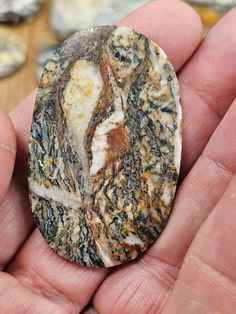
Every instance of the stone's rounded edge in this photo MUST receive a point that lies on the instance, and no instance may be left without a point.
(13, 53)
(54, 72)
(176, 92)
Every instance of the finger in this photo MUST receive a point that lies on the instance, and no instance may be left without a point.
(37, 265)
(173, 25)
(21, 118)
(16, 222)
(7, 160)
(7, 153)
(49, 264)
(206, 283)
(16, 298)
(16, 219)
(200, 192)
(157, 271)
(140, 287)
(208, 85)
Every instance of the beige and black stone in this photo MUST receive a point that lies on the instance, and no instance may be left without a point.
(105, 146)
(16, 11)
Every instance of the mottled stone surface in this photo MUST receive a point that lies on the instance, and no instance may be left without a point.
(12, 52)
(105, 146)
(15, 11)
(70, 16)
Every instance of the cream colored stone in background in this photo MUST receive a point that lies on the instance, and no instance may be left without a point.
(12, 52)
(14, 11)
(70, 16)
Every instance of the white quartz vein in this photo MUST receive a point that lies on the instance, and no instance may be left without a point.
(99, 142)
(81, 96)
(56, 194)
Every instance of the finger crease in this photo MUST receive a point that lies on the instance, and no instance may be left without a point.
(169, 273)
(219, 277)
(8, 148)
(37, 283)
(202, 100)
(219, 165)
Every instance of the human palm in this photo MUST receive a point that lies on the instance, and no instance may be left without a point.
(191, 268)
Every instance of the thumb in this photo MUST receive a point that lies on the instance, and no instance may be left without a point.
(7, 152)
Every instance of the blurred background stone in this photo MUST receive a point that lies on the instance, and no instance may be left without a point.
(12, 52)
(15, 11)
(211, 11)
(68, 17)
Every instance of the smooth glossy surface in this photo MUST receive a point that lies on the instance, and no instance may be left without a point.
(105, 146)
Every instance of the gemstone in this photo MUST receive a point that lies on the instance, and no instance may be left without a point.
(105, 146)
(15, 11)
(67, 17)
(12, 52)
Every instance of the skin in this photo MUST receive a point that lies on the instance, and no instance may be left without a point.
(191, 268)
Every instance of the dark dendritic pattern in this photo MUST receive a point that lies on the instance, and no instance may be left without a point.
(105, 146)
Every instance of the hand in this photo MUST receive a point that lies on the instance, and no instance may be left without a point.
(191, 268)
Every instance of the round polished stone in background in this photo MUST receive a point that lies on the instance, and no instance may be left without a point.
(105, 146)
(15, 11)
(12, 52)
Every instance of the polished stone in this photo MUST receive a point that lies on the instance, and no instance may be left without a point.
(70, 16)
(12, 52)
(15, 11)
(105, 146)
